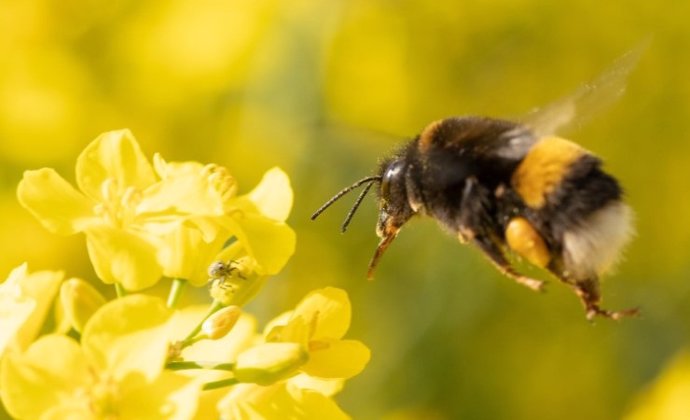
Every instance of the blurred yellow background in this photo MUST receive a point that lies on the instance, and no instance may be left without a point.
(326, 88)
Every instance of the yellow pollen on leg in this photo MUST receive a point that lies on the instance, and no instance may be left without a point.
(526, 241)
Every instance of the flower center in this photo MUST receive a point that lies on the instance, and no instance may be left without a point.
(119, 204)
(221, 181)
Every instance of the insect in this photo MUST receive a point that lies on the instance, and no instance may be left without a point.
(511, 187)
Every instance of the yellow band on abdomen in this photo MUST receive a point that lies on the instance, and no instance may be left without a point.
(543, 168)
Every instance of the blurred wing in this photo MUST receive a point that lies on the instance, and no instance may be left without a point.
(589, 100)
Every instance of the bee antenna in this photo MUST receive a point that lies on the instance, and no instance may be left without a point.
(327, 204)
(355, 206)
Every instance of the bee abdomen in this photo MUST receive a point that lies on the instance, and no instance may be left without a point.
(576, 206)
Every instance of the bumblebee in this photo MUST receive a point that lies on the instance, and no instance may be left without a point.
(515, 188)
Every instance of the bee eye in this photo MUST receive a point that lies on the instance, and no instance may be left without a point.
(390, 176)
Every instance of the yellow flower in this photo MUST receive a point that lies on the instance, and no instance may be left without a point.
(112, 174)
(24, 303)
(255, 222)
(116, 372)
(319, 322)
(172, 219)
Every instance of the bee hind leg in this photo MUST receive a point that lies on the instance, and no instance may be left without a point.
(495, 255)
(588, 292)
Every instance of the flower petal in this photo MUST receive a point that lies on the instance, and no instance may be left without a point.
(273, 195)
(79, 300)
(113, 155)
(280, 401)
(337, 359)
(271, 243)
(188, 188)
(57, 205)
(125, 257)
(327, 387)
(171, 396)
(267, 363)
(330, 307)
(47, 375)
(24, 292)
(129, 334)
(186, 254)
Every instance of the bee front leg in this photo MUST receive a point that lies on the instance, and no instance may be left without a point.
(495, 255)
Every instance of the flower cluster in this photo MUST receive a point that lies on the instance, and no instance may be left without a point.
(139, 356)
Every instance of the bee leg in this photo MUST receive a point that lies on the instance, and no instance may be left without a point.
(588, 291)
(495, 255)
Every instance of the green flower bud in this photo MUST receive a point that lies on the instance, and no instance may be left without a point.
(79, 301)
(268, 363)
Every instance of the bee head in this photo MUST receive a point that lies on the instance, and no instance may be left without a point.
(394, 209)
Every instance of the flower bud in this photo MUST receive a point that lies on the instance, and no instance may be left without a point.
(220, 323)
(79, 301)
(268, 363)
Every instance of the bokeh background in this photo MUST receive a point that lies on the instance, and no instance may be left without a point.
(326, 88)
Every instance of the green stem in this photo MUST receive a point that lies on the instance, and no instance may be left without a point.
(176, 289)
(199, 365)
(215, 306)
(120, 290)
(220, 384)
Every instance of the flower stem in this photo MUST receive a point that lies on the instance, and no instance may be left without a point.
(215, 306)
(176, 289)
(220, 384)
(199, 365)
(120, 290)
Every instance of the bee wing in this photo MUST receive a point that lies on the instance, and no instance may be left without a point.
(589, 100)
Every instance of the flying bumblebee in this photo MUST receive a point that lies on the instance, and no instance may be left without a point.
(513, 188)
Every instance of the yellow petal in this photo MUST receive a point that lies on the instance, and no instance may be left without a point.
(39, 289)
(171, 396)
(298, 330)
(69, 412)
(15, 307)
(330, 309)
(54, 202)
(48, 375)
(278, 402)
(275, 325)
(337, 359)
(129, 334)
(121, 256)
(114, 155)
(271, 243)
(273, 195)
(186, 254)
(188, 188)
(267, 363)
(327, 387)
(79, 301)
